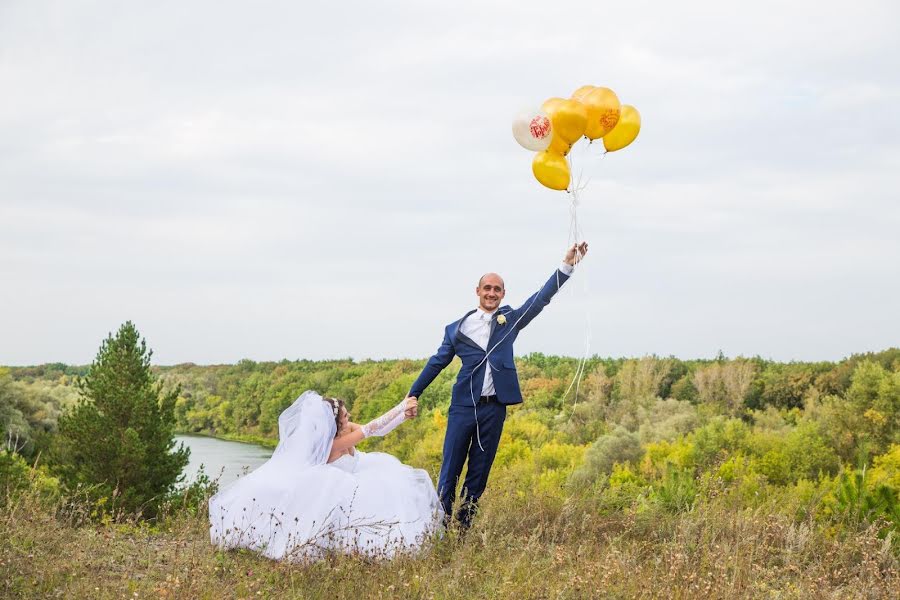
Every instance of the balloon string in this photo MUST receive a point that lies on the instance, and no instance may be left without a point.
(575, 235)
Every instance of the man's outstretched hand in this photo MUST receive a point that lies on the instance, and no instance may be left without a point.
(412, 407)
(576, 253)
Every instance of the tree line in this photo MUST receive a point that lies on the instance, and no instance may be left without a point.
(818, 439)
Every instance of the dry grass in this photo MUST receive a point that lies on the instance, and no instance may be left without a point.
(519, 549)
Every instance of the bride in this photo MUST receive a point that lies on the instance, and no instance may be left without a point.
(319, 494)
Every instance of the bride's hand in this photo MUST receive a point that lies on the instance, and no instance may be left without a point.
(390, 420)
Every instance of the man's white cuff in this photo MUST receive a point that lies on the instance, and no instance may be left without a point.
(566, 268)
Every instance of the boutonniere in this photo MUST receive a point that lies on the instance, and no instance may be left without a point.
(501, 319)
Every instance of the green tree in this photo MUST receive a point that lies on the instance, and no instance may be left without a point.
(874, 393)
(867, 420)
(13, 425)
(118, 439)
(725, 384)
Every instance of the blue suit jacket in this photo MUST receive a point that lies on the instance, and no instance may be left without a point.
(500, 350)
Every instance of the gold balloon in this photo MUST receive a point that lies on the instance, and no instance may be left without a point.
(581, 93)
(551, 169)
(567, 117)
(625, 131)
(551, 104)
(603, 112)
(558, 146)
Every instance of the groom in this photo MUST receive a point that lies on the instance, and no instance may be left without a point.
(487, 382)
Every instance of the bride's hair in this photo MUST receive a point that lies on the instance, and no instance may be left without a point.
(336, 406)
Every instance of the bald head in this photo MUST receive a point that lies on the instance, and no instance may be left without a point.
(490, 292)
(493, 276)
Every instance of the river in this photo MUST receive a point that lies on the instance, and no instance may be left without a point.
(231, 459)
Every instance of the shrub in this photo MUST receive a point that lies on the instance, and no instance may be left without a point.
(886, 468)
(717, 440)
(512, 451)
(17, 476)
(562, 457)
(660, 457)
(801, 453)
(676, 492)
(618, 446)
(684, 389)
(856, 500)
(584, 421)
(13, 474)
(193, 497)
(622, 490)
(667, 420)
(526, 426)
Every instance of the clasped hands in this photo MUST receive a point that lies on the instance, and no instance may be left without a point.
(411, 408)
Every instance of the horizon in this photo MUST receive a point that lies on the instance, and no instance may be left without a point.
(524, 356)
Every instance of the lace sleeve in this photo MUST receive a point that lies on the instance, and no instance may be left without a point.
(386, 422)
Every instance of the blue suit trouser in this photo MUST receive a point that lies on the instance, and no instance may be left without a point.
(460, 444)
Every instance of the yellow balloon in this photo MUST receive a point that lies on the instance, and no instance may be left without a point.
(551, 104)
(603, 112)
(567, 117)
(625, 131)
(551, 169)
(581, 93)
(558, 146)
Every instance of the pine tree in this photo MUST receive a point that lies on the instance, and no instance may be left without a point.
(119, 439)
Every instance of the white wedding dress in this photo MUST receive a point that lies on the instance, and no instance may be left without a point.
(297, 507)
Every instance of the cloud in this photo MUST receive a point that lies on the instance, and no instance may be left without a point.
(308, 181)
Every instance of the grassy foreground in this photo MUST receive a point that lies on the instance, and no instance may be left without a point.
(520, 548)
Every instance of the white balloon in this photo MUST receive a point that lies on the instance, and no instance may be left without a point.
(532, 130)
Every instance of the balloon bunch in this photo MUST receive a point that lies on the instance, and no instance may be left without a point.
(551, 131)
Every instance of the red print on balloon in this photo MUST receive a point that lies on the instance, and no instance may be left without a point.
(539, 127)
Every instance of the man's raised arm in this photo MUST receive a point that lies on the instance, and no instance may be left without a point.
(532, 307)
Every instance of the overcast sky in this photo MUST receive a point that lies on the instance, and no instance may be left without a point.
(275, 180)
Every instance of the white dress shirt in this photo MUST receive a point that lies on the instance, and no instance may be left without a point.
(477, 327)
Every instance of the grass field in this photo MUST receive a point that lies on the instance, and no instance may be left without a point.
(518, 549)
